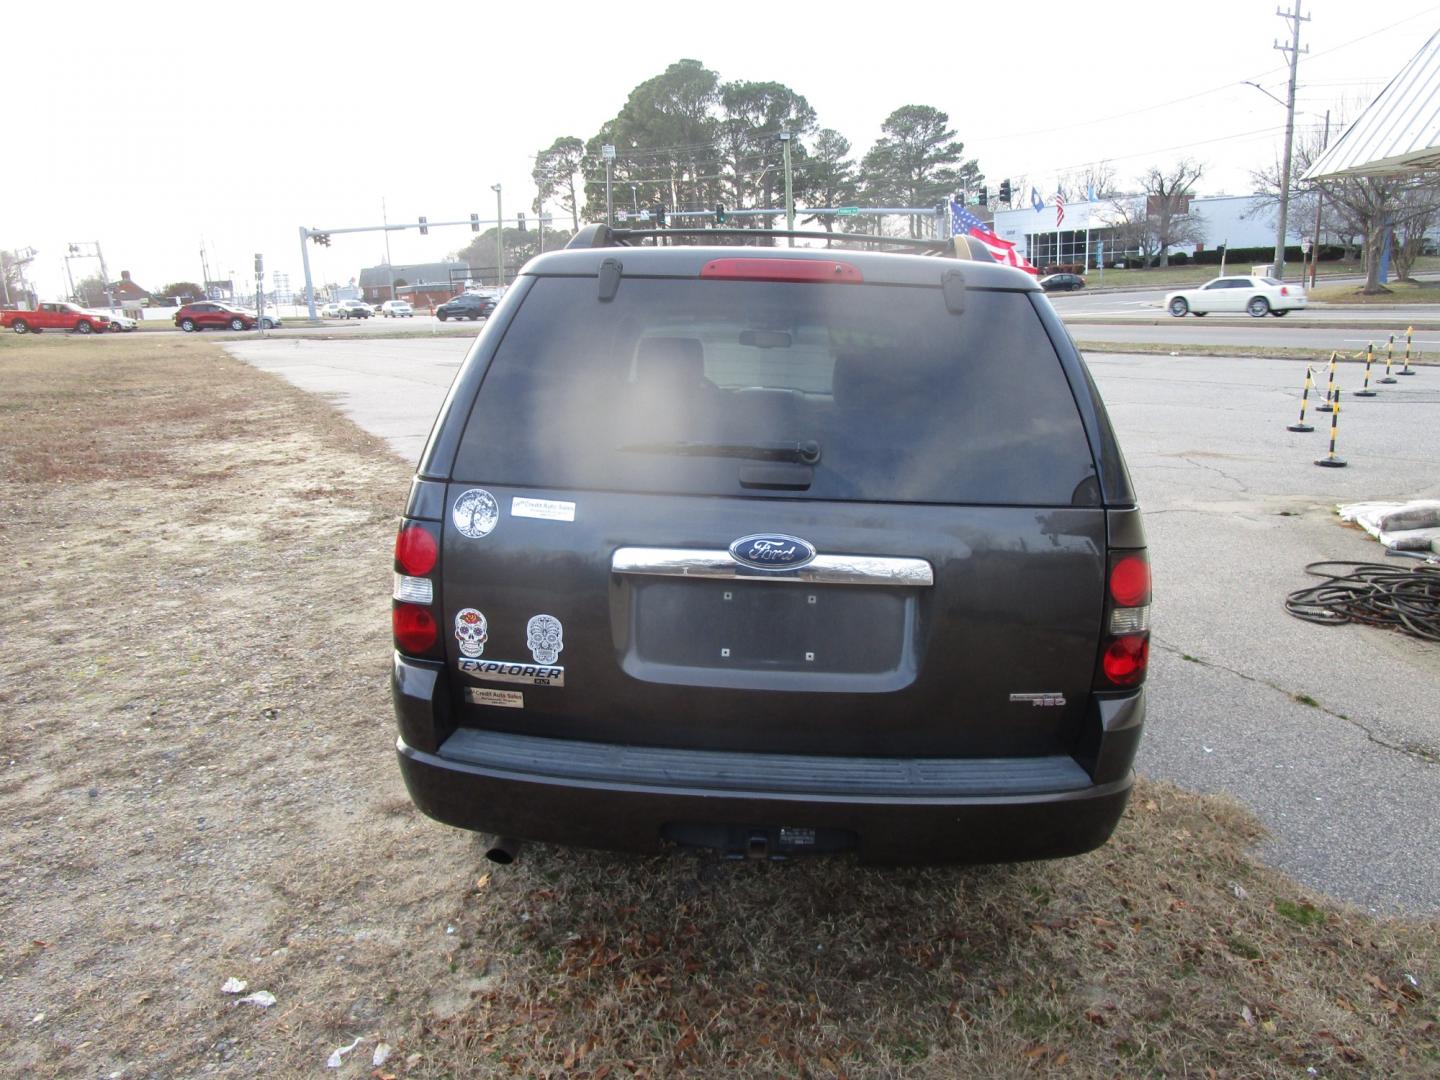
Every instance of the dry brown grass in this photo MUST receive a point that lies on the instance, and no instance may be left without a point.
(198, 782)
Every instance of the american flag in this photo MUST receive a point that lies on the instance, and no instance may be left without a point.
(1059, 208)
(964, 223)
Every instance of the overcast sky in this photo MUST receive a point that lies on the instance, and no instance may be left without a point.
(154, 128)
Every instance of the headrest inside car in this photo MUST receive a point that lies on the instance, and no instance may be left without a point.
(676, 360)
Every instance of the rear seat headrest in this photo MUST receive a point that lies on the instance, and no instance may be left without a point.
(673, 360)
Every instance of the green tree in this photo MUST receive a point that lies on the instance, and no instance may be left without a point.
(520, 248)
(554, 174)
(90, 291)
(13, 290)
(827, 178)
(664, 139)
(182, 291)
(918, 161)
(753, 114)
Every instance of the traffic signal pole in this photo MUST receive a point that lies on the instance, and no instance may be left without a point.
(309, 285)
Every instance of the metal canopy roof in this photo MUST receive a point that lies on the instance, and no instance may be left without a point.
(1398, 134)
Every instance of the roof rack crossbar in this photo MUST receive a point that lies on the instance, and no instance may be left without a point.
(604, 236)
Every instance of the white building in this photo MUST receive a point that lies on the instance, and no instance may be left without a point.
(1087, 234)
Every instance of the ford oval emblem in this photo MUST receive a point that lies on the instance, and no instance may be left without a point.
(772, 551)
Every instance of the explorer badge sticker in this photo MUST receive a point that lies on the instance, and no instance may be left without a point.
(546, 638)
(513, 671)
(476, 513)
(471, 631)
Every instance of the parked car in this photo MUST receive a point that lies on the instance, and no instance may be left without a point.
(1257, 296)
(355, 309)
(331, 310)
(775, 551)
(213, 315)
(269, 321)
(116, 320)
(397, 309)
(466, 306)
(1062, 282)
(55, 316)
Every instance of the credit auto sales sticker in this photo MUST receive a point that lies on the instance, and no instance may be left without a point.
(512, 671)
(505, 699)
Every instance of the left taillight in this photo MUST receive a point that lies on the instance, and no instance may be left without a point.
(1125, 644)
(415, 611)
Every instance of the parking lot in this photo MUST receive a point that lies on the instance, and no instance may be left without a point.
(1349, 785)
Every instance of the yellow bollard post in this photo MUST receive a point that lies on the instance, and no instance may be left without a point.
(1304, 397)
(1330, 389)
(1365, 391)
(1409, 334)
(1330, 461)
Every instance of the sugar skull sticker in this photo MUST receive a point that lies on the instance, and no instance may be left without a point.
(475, 513)
(546, 637)
(471, 631)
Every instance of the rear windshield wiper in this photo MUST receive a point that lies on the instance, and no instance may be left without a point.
(802, 453)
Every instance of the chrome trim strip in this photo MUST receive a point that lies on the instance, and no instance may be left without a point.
(824, 569)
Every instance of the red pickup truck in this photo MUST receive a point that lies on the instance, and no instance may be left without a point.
(57, 316)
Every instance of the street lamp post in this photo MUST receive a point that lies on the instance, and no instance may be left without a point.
(608, 153)
(789, 192)
(499, 237)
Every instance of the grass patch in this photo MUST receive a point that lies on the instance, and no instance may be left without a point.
(1180, 277)
(1261, 352)
(1396, 292)
(1306, 699)
(224, 802)
(1301, 913)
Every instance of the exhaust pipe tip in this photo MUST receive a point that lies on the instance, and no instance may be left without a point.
(504, 850)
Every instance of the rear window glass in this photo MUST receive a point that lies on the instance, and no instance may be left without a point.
(873, 393)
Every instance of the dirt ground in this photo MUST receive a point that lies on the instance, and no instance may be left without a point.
(197, 783)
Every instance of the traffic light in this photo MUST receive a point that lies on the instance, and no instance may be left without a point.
(321, 239)
(720, 215)
(474, 222)
(520, 220)
(259, 264)
(1005, 191)
(424, 228)
(984, 196)
(660, 216)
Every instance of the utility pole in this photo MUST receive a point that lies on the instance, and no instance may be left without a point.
(789, 191)
(608, 153)
(499, 238)
(389, 266)
(1319, 203)
(105, 277)
(1293, 49)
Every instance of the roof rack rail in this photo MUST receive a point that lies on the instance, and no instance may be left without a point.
(594, 236)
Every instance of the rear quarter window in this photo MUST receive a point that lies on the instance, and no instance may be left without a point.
(687, 386)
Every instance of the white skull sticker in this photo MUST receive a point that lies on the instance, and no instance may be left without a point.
(546, 637)
(471, 631)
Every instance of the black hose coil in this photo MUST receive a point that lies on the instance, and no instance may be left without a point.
(1377, 594)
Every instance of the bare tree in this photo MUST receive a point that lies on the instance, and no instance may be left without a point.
(1130, 226)
(1167, 205)
(1360, 207)
(1098, 177)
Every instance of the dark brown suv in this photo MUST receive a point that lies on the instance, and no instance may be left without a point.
(774, 551)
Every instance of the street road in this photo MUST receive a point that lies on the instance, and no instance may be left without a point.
(1235, 509)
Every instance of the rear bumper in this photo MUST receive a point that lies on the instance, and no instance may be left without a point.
(625, 815)
(887, 810)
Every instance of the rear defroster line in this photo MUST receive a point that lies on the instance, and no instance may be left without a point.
(1406, 598)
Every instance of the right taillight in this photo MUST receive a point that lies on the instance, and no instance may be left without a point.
(1125, 645)
(414, 616)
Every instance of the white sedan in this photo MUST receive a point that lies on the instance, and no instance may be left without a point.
(1257, 296)
(118, 319)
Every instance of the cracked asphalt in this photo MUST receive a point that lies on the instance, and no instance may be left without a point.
(1331, 735)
